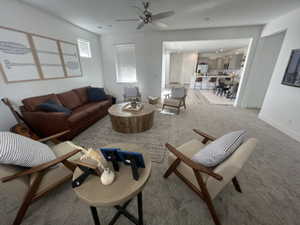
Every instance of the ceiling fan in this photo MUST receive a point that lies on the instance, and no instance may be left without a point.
(146, 17)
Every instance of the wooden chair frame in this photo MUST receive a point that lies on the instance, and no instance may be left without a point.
(198, 169)
(32, 193)
(181, 103)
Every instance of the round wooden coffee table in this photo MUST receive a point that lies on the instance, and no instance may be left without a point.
(120, 193)
(131, 122)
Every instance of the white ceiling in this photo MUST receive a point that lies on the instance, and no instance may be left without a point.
(205, 46)
(89, 14)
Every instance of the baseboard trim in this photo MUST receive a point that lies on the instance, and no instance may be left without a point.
(293, 134)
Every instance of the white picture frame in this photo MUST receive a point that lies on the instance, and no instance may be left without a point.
(17, 61)
(71, 59)
(49, 57)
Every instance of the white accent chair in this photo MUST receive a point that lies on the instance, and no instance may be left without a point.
(176, 99)
(20, 186)
(207, 183)
(131, 93)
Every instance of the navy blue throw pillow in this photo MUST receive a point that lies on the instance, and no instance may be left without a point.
(51, 106)
(96, 94)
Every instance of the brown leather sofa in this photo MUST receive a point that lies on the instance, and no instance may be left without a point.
(84, 113)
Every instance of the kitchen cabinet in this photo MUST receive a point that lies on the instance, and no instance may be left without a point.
(220, 63)
(203, 60)
(235, 61)
(212, 64)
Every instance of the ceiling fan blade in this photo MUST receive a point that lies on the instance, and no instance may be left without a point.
(146, 5)
(141, 24)
(162, 15)
(159, 24)
(127, 20)
(138, 9)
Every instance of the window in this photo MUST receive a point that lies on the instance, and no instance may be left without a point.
(125, 63)
(84, 48)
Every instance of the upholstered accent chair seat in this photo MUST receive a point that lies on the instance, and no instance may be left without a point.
(189, 149)
(176, 99)
(21, 186)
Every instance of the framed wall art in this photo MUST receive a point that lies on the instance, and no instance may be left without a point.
(28, 57)
(71, 59)
(17, 57)
(292, 72)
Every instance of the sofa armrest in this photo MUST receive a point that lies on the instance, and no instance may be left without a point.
(47, 123)
(110, 98)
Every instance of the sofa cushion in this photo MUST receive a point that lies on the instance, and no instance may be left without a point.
(22, 151)
(94, 107)
(51, 106)
(96, 94)
(78, 115)
(218, 150)
(90, 108)
(82, 94)
(31, 104)
(69, 99)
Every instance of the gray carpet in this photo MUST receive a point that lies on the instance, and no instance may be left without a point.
(153, 140)
(270, 180)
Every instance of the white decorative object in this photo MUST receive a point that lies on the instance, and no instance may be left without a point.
(107, 176)
(90, 153)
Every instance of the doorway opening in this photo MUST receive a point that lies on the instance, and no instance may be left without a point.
(213, 68)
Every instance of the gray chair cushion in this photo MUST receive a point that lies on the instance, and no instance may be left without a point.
(218, 150)
(131, 91)
(22, 151)
(178, 92)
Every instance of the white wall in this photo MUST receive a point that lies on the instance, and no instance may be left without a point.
(189, 61)
(149, 52)
(182, 67)
(281, 106)
(176, 63)
(166, 69)
(262, 69)
(21, 16)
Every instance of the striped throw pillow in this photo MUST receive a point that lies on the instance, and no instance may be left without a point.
(217, 151)
(22, 151)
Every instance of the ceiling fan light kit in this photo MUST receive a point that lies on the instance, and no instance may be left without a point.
(148, 18)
